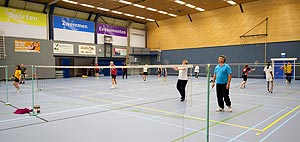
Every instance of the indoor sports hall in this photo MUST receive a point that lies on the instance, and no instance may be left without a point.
(149, 70)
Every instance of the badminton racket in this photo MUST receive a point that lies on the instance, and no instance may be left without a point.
(255, 63)
(11, 77)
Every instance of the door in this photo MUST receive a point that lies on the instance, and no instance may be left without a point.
(66, 62)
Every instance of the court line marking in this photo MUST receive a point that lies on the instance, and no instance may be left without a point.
(193, 107)
(211, 125)
(166, 123)
(272, 97)
(291, 92)
(172, 113)
(61, 112)
(258, 124)
(280, 118)
(279, 127)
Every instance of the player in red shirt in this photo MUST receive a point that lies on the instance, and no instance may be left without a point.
(113, 72)
(245, 70)
(97, 70)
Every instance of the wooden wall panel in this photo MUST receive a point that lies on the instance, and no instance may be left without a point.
(224, 26)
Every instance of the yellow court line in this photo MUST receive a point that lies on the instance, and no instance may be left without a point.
(280, 118)
(172, 113)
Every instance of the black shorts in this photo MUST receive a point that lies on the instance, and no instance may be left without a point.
(97, 71)
(113, 76)
(16, 80)
(244, 77)
(145, 73)
(158, 72)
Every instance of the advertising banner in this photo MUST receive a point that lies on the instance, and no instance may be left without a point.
(73, 24)
(111, 30)
(63, 48)
(27, 46)
(16, 16)
(87, 50)
(120, 52)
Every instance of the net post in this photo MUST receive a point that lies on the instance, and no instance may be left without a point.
(32, 89)
(207, 105)
(6, 85)
(239, 71)
(190, 88)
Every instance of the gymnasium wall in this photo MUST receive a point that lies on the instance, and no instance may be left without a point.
(235, 54)
(45, 57)
(223, 27)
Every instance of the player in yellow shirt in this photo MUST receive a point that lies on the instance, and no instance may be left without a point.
(17, 76)
(289, 69)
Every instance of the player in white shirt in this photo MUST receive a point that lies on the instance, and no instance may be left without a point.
(196, 70)
(145, 72)
(269, 77)
(182, 79)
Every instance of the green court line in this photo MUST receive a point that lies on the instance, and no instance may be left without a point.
(291, 92)
(204, 128)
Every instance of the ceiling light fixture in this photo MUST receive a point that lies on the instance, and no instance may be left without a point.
(150, 19)
(162, 12)
(69, 1)
(173, 15)
(129, 15)
(125, 2)
(151, 9)
(117, 12)
(190, 5)
(103, 9)
(200, 9)
(140, 17)
(140, 6)
(231, 2)
(87, 5)
(179, 2)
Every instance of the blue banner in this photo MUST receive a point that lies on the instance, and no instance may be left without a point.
(73, 24)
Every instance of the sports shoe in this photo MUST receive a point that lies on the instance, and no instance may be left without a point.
(219, 109)
(18, 91)
(229, 108)
(112, 87)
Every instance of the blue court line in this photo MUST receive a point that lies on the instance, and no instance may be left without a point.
(258, 124)
(279, 126)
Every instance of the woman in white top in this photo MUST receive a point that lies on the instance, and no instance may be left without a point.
(182, 79)
(197, 68)
(145, 72)
(269, 77)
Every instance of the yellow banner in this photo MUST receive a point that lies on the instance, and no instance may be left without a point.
(27, 46)
(22, 17)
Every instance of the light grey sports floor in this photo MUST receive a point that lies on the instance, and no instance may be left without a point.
(87, 110)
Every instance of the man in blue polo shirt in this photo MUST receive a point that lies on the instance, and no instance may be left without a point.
(222, 77)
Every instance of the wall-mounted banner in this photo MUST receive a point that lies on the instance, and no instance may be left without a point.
(119, 52)
(27, 46)
(137, 38)
(73, 24)
(111, 30)
(16, 16)
(87, 50)
(63, 48)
